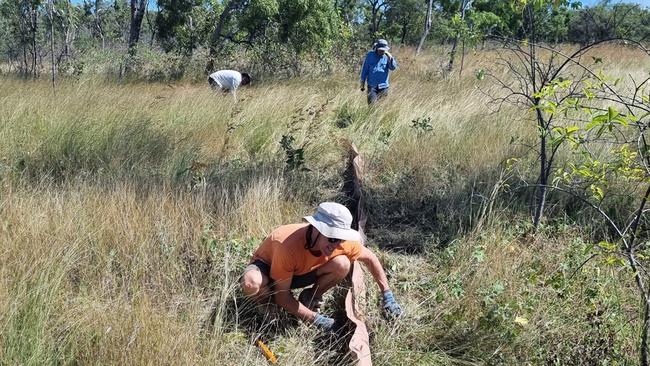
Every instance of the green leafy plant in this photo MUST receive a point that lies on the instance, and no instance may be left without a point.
(422, 125)
(295, 157)
(622, 160)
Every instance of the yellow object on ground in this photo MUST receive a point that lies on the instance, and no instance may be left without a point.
(267, 352)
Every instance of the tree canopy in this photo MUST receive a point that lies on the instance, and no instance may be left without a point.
(183, 29)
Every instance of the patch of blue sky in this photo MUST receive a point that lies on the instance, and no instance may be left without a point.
(643, 3)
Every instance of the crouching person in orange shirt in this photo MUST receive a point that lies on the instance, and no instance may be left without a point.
(319, 253)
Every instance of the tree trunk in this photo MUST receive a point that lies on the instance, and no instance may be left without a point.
(215, 39)
(540, 200)
(544, 168)
(137, 13)
(452, 53)
(645, 297)
(454, 45)
(427, 27)
(403, 35)
(644, 352)
(462, 58)
(645, 356)
(152, 27)
(52, 41)
(66, 27)
(373, 18)
(34, 29)
(376, 16)
(24, 64)
(68, 40)
(98, 22)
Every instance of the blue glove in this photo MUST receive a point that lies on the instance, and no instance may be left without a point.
(392, 310)
(324, 322)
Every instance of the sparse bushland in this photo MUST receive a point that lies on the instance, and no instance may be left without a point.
(127, 212)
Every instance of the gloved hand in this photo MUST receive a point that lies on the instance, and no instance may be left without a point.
(363, 86)
(392, 310)
(324, 322)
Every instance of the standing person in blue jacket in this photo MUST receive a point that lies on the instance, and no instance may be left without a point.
(379, 62)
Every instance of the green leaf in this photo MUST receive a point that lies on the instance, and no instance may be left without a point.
(611, 113)
(607, 246)
(602, 118)
(597, 192)
(622, 120)
(613, 260)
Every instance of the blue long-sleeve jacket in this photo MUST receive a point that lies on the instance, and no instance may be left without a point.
(375, 70)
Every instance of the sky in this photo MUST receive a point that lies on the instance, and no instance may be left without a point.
(643, 3)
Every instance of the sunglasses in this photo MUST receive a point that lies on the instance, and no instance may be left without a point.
(333, 240)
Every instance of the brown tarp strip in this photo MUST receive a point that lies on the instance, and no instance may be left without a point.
(360, 342)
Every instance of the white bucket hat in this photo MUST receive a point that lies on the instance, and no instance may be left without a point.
(334, 221)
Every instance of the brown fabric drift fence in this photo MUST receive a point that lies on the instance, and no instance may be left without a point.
(360, 342)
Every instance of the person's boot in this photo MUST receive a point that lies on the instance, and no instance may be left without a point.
(307, 298)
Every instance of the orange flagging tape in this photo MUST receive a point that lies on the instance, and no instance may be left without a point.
(267, 352)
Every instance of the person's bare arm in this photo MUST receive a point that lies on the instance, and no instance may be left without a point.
(372, 262)
(285, 299)
(392, 309)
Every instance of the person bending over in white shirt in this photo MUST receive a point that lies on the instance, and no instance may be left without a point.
(228, 80)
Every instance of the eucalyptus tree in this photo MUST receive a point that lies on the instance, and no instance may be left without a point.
(66, 19)
(183, 25)
(375, 14)
(605, 21)
(217, 36)
(427, 26)
(23, 20)
(138, 8)
(404, 18)
(308, 25)
(460, 30)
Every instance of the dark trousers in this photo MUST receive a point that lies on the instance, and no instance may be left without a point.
(298, 281)
(374, 94)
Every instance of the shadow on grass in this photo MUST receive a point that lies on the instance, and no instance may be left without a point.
(415, 212)
(408, 219)
(333, 348)
(265, 321)
(268, 321)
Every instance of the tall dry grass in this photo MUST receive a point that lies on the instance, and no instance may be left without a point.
(127, 212)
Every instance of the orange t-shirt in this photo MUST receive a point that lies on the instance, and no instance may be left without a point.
(284, 250)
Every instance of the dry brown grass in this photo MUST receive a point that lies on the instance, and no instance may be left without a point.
(118, 243)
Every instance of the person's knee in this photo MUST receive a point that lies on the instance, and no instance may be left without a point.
(341, 265)
(251, 283)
